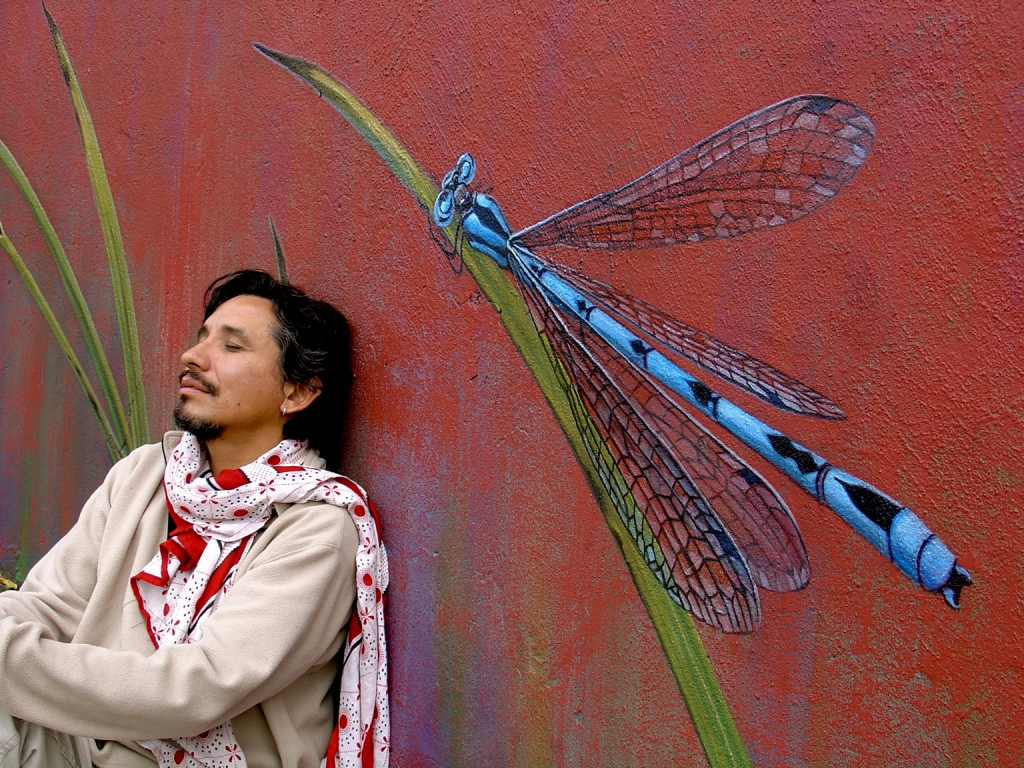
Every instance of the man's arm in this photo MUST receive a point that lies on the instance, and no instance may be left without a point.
(272, 626)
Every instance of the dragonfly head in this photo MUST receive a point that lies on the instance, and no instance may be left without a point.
(455, 196)
(482, 225)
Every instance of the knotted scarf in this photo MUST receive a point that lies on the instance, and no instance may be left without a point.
(215, 519)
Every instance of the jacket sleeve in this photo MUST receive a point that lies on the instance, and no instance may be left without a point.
(57, 589)
(272, 626)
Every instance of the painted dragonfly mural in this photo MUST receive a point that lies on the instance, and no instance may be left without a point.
(708, 525)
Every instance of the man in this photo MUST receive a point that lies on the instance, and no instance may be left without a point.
(194, 613)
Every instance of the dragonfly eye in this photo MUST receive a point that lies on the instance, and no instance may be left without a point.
(448, 182)
(444, 207)
(465, 168)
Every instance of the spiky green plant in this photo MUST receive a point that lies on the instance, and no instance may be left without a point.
(123, 429)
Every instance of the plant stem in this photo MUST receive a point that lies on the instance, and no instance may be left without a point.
(682, 644)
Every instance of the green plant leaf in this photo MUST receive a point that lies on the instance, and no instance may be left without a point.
(282, 269)
(78, 305)
(138, 423)
(679, 638)
(115, 446)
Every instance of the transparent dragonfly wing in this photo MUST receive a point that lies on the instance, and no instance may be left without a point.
(685, 544)
(772, 167)
(752, 511)
(757, 518)
(737, 367)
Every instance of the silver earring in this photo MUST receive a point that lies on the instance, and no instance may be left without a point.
(284, 410)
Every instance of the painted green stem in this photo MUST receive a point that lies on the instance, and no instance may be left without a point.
(138, 423)
(113, 444)
(93, 346)
(683, 647)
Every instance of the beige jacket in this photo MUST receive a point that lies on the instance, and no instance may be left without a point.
(75, 655)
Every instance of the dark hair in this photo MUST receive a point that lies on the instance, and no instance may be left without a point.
(315, 344)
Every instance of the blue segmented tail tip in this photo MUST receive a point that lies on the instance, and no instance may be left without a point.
(957, 580)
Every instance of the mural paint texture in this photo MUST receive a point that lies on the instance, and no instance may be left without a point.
(518, 637)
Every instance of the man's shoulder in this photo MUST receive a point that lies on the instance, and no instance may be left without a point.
(170, 441)
(313, 522)
(313, 514)
(145, 459)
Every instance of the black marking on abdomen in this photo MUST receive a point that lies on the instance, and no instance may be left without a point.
(920, 554)
(705, 396)
(787, 449)
(875, 507)
(584, 308)
(641, 350)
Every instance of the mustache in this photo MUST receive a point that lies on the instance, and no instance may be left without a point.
(199, 379)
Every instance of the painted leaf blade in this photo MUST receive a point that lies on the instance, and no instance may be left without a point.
(138, 422)
(282, 267)
(683, 647)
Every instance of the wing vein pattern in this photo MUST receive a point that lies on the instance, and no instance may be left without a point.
(771, 167)
(680, 536)
(738, 368)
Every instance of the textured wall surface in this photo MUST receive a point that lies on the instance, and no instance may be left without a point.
(517, 636)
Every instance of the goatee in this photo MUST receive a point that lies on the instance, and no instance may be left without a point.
(203, 430)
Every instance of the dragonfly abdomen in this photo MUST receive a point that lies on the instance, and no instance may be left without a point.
(892, 529)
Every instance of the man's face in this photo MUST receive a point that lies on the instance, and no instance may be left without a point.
(231, 382)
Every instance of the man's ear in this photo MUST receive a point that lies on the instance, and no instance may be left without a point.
(298, 397)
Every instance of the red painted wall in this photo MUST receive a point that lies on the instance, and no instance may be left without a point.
(518, 637)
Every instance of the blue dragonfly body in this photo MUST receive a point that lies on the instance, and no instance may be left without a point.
(709, 526)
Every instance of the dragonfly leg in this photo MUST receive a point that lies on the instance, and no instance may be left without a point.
(455, 254)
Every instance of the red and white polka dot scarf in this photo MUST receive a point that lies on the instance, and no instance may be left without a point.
(214, 522)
